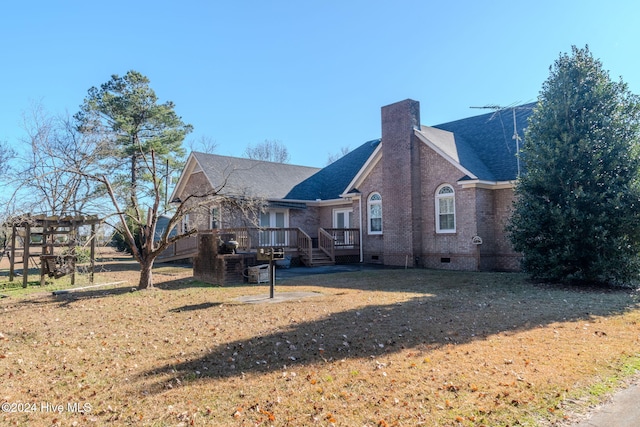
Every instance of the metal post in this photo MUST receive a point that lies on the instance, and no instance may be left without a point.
(25, 255)
(272, 276)
(12, 253)
(72, 251)
(92, 253)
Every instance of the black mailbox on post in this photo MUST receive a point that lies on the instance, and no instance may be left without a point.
(278, 253)
(268, 254)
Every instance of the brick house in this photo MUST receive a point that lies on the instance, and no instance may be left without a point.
(421, 196)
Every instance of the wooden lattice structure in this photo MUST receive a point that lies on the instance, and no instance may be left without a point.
(53, 241)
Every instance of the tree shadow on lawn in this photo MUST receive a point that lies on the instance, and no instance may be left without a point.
(195, 307)
(440, 317)
(64, 298)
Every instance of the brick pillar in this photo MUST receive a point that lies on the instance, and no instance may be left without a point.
(401, 192)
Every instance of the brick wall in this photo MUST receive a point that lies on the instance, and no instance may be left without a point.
(198, 215)
(485, 214)
(407, 177)
(506, 258)
(479, 211)
(400, 187)
(211, 267)
(307, 219)
(372, 244)
(453, 251)
(326, 214)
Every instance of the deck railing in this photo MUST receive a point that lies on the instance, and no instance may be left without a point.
(182, 249)
(249, 239)
(344, 238)
(305, 245)
(326, 244)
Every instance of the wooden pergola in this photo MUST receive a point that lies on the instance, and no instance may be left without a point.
(53, 239)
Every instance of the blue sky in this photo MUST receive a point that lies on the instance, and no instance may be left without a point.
(312, 74)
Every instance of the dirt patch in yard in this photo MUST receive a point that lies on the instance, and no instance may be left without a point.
(372, 348)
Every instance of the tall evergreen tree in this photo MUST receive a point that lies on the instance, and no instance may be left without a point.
(125, 112)
(577, 210)
(140, 140)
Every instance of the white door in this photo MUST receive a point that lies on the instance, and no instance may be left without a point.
(270, 220)
(342, 218)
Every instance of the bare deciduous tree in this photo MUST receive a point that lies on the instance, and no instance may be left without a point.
(204, 144)
(333, 157)
(269, 150)
(46, 182)
(6, 154)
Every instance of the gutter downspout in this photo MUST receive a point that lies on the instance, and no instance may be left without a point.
(360, 229)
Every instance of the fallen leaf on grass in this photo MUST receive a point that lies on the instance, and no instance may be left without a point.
(271, 416)
(452, 388)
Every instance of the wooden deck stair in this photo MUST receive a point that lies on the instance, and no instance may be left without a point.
(318, 258)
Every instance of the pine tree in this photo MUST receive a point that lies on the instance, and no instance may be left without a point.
(139, 139)
(577, 210)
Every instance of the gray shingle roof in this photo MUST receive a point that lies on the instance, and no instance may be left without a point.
(330, 182)
(485, 143)
(246, 177)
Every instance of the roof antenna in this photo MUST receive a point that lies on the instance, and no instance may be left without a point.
(515, 136)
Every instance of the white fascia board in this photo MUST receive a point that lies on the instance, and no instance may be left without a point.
(354, 196)
(364, 170)
(188, 169)
(331, 202)
(328, 202)
(306, 202)
(444, 155)
(491, 185)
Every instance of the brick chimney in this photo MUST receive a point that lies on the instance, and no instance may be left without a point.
(401, 188)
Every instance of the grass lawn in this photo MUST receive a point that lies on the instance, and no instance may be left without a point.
(372, 348)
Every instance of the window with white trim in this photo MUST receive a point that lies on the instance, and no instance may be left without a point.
(374, 207)
(185, 224)
(215, 217)
(445, 209)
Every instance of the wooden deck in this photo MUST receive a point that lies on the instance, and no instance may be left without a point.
(323, 250)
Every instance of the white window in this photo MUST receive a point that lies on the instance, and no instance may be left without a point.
(445, 209)
(374, 205)
(274, 219)
(185, 224)
(215, 218)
